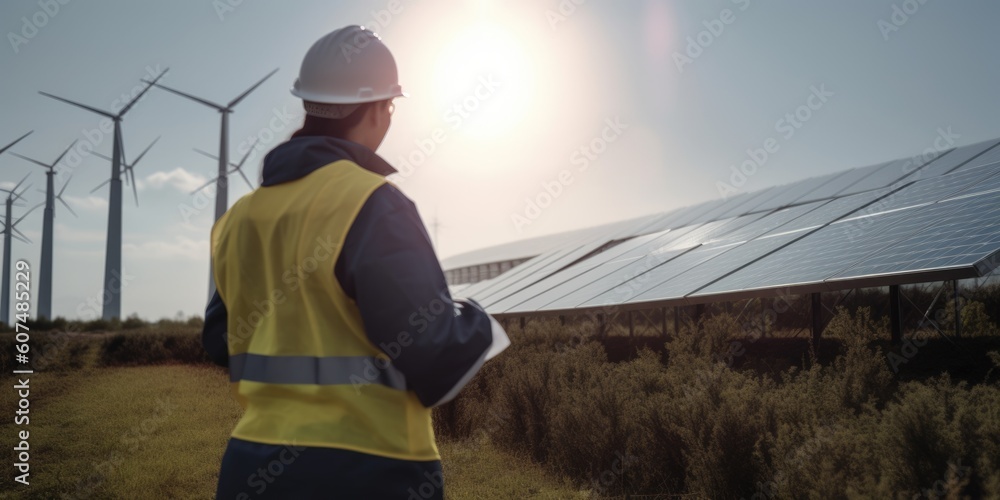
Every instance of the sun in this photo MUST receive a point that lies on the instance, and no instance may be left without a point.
(484, 80)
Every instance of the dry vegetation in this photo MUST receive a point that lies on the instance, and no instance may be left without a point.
(686, 415)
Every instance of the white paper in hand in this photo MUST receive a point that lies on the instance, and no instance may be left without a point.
(500, 340)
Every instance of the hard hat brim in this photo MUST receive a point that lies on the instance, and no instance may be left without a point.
(328, 99)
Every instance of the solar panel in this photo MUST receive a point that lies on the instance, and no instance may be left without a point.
(544, 265)
(965, 231)
(842, 183)
(609, 277)
(756, 199)
(750, 268)
(697, 213)
(825, 252)
(732, 203)
(930, 216)
(935, 189)
(957, 157)
(989, 157)
(557, 261)
(738, 248)
(585, 272)
(643, 277)
(787, 195)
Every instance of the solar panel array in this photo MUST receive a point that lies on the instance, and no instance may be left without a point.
(928, 218)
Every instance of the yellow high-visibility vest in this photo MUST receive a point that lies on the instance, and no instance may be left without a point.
(300, 363)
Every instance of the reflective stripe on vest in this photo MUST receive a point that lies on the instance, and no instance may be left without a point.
(325, 370)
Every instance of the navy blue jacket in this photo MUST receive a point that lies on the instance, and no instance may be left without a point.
(388, 267)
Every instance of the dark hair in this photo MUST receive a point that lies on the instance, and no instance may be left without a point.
(314, 125)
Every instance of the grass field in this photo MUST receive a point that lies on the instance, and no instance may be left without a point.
(159, 432)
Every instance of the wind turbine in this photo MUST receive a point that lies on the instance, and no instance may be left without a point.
(128, 170)
(10, 231)
(237, 167)
(113, 253)
(222, 179)
(222, 185)
(45, 273)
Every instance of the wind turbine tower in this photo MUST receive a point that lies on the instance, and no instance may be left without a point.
(222, 179)
(45, 272)
(9, 230)
(112, 296)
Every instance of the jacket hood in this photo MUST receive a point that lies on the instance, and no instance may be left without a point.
(300, 156)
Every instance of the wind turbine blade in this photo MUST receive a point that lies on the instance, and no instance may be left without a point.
(245, 156)
(25, 214)
(64, 186)
(99, 186)
(5, 148)
(189, 96)
(205, 185)
(13, 190)
(99, 155)
(136, 161)
(84, 106)
(251, 89)
(32, 160)
(63, 154)
(22, 239)
(135, 191)
(67, 206)
(246, 179)
(136, 98)
(205, 153)
(21, 194)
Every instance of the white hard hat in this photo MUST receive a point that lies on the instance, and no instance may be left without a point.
(348, 66)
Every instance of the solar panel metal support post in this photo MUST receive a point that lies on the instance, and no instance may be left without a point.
(663, 321)
(958, 310)
(816, 299)
(631, 324)
(895, 315)
(763, 318)
(677, 320)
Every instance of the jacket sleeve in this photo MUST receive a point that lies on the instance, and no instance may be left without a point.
(389, 268)
(213, 334)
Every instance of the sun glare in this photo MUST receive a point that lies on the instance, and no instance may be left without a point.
(483, 78)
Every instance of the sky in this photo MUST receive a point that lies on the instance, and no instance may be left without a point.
(524, 117)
